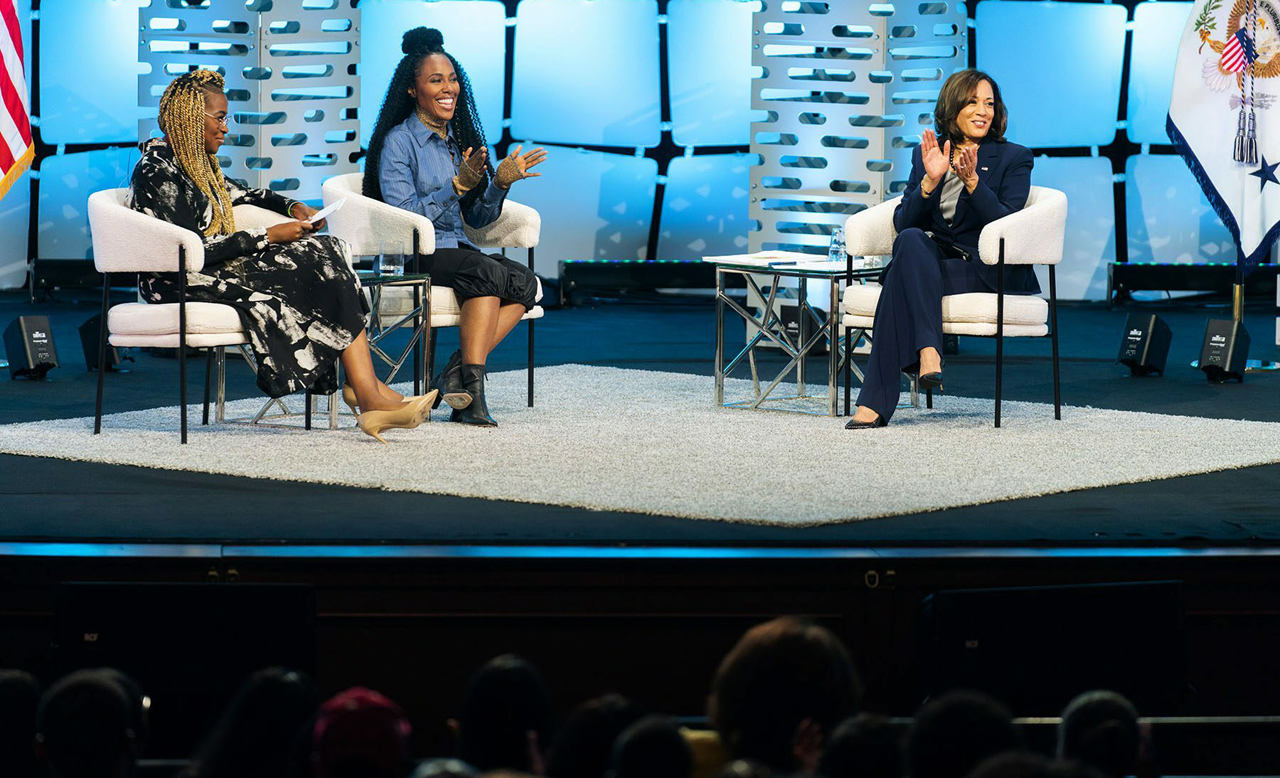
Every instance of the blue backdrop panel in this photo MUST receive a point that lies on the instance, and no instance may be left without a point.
(475, 33)
(593, 206)
(15, 208)
(1058, 66)
(704, 207)
(710, 71)
(1169, 219)
(65, 185)
(89, 71)
(1157, 29)
(1091, 224)
(586, 72)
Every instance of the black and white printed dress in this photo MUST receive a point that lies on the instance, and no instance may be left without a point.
(300, 303)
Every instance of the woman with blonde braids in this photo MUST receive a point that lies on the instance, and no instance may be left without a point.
(298, 299)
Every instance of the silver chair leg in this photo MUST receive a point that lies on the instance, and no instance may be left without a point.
(220, 380)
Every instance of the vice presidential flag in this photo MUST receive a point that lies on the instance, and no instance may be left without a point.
(1224, 118)
(16, 148)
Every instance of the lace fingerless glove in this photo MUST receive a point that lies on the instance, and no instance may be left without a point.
(466, 179)
(508, 173)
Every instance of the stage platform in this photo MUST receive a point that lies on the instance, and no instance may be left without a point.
(58, 500)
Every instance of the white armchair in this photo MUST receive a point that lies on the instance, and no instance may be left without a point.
(1031, 236)
(365, 223)
(127, 241)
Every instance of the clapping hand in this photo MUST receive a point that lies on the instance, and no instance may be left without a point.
(936, 160)
(515, 166)
(966, 166)
(475, 161)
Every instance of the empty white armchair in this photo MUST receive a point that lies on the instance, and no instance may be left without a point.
(367, 224)
(130, 242)
(1031, 236)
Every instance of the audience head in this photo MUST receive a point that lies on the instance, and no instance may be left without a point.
(19, 699)
(426, 76)
(783, 677)
(506, 716)
(969, 107)
(651, 748)
(1021, 764)
(1101, 729)
(955, 732)
(585, 741)
(865, 746)
(745, 768)
(91, 724)
(444, 768)
(360, 734)
(264, 731)
(192, 116)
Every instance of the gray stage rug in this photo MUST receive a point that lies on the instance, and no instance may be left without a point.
(647, 442)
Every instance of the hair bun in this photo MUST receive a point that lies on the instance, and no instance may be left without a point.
(422, 39)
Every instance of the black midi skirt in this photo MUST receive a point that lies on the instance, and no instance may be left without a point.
(471, 273)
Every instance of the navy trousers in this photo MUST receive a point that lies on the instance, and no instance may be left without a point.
(909, 314)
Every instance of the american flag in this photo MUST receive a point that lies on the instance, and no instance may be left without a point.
(1239, 53)
(16, 148)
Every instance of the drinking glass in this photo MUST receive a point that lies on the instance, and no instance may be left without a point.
(390, 258)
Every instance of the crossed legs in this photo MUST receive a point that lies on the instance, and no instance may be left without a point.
(485, 322)
(373, 395)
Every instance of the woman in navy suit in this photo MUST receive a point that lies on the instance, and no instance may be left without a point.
(962, 179)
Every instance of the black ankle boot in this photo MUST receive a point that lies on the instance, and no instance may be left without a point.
(449, 382)
(477, 413)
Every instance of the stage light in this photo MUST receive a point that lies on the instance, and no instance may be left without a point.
(1144, 348)
(1225, 351)
(28, 340)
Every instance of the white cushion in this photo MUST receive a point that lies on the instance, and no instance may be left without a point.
(969, 308)
(985, 329)
(445, 310)
(439, 320)
(148, 319)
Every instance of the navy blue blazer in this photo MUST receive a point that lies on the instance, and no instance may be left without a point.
(1004, 181)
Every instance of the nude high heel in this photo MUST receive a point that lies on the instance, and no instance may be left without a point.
(407, 417)
(349, 397)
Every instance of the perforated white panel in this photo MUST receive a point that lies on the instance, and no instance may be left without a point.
(847, 88)
(292, 88)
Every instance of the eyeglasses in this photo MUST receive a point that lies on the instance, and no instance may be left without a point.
(225, 121)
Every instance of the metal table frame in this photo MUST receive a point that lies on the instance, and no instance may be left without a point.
(419, 316)
(769, 325)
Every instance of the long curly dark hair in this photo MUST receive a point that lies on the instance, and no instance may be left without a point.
(418, 44)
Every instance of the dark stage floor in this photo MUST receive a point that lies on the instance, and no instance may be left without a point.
(46, 499)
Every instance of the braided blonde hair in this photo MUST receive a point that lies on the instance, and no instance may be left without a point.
(182, 121)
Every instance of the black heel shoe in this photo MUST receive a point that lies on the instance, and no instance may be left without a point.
(931, 381)
(477, 411)
(449, 382)
(866, 425)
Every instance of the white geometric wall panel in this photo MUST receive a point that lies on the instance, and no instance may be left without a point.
(1091, 224)
(710, 70)
(94, 101)
(593, 206)
(1169, 219)
(586, 72)
(292, 88)
(704, 206)
(63, 227)
(475, 33)
(846, 89)
(1058, 66)
(15, 208)
(1157, 29)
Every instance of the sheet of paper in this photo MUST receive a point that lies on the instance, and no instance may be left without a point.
(761, 258)
(325, 211)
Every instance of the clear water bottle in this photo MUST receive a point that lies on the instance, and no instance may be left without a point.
(835, 252)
